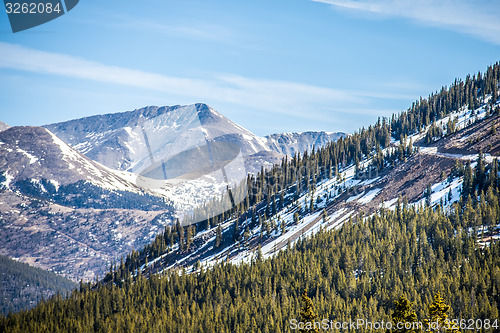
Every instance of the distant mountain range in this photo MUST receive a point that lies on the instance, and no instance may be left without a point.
(129, 140)
(292, 143)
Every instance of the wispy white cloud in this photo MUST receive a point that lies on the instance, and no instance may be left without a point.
(478, 18)
(196, 29)
(290, 98)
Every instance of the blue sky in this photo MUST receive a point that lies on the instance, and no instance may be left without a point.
(271, 66)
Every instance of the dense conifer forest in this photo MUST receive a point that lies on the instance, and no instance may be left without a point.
(23, 286)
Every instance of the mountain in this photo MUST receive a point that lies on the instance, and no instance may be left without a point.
(130, 140)
(3, 126)
(292, 143)
(63, 212)
(188, 154)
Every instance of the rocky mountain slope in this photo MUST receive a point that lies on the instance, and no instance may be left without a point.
(61, 211)
(78, 243)
(35, 153)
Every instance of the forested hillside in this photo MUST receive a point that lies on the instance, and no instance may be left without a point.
(373, 150)
(23, 286)
(303, 172)
(355, 272)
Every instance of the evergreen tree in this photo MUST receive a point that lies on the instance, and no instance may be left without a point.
(428, 195)
(403, 315)
(296, 218)
(218, 237)
(189, 236)
(308, 314)
(438, 316)
(182, 245)
(236, 235)
(260, 256)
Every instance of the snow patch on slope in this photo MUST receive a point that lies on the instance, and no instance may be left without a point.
(31, 157)
(369, 196)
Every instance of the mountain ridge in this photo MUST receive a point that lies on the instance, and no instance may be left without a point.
(290, 143)
(117, 139)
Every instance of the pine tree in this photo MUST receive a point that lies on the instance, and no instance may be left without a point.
(260, 256)
(428, 195)
(403, 314)
(189, 236)
(438, 317)
(296, 218)
(308, 314)
(236, 234)
(181, 239)
(218, 237)
(247, 234)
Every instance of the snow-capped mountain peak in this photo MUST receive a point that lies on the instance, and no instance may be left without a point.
(133, 140)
